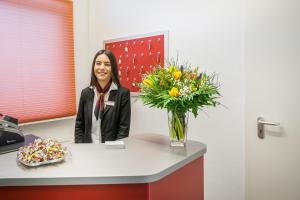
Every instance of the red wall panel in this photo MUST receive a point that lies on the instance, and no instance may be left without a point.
(137, 56)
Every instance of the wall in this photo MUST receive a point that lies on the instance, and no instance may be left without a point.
(207, 33)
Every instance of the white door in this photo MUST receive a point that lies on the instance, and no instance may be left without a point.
(272, 59)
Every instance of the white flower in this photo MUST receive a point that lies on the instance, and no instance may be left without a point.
(185, 90)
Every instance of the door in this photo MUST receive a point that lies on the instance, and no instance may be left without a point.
(272, 60)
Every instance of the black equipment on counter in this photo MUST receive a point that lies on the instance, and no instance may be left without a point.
(11, 136)
(10, 132)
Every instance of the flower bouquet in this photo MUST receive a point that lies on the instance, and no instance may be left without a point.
(179, 89)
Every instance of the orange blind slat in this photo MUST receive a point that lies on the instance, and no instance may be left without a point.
(37, 79)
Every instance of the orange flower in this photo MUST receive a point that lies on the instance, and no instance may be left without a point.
(195, 75)
(161, 82)
(174, 92)
(148, 82)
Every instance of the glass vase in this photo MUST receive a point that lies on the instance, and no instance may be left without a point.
(178, 122)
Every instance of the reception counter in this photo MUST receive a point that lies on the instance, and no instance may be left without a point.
(148, 168)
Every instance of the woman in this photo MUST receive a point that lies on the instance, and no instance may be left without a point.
(104, 107)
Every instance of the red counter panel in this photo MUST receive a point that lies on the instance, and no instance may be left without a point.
(186, 183)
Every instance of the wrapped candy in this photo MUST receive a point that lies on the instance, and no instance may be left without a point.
(41, 151)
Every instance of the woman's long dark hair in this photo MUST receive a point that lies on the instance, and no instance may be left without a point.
(114, 67)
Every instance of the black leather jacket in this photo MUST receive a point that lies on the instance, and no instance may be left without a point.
(115, 123)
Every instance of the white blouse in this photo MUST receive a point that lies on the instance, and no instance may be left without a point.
(96, 124)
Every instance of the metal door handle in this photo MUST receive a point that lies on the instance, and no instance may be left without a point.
(260, 126)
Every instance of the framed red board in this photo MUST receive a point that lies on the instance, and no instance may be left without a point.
(138, 54)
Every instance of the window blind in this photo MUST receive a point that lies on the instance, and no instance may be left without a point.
(37, 80)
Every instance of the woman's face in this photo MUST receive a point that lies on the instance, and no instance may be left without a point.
(102, 68)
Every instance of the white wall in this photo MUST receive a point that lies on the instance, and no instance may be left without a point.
(207, 33)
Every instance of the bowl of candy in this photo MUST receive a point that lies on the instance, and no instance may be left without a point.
(41, 152)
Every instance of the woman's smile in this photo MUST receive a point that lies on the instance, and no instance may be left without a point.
(102, 69)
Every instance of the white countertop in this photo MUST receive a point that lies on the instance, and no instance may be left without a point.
(146, 158)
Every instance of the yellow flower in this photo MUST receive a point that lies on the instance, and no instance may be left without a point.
(194, 89)
(177, 75)
(148, 82)
(172, 68)
(174, 92)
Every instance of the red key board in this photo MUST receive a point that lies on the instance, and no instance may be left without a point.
(137, 55)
